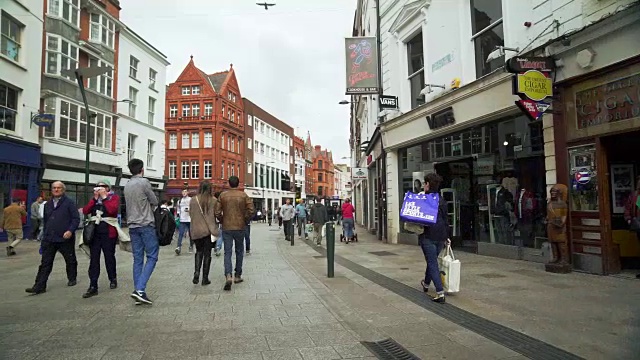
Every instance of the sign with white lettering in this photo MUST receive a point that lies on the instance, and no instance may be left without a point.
(388, 102)
(533, 109)
(519, 64)
(614, 101)
(359, 173)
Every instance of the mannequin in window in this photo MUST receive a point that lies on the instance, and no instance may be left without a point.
(511, 184)
(557, 210)
(503, 208)
(462, 187)
(525, 209)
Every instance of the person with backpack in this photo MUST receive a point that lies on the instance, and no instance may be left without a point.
(140, 201)
(204, 228)
(105, 236)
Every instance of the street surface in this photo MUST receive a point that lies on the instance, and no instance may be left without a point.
(288, 309)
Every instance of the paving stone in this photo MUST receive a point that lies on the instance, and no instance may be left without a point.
(294, 320)
(288, 354)
(319, 353)
(244, 356)
(289, 341)
(327, 338)
(355, 350)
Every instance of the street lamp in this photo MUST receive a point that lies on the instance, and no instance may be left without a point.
(344, 102)
(80, 74)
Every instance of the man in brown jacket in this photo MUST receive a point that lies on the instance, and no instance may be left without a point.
(12, 224)
(234, 210)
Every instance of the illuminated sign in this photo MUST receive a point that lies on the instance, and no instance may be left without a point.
(534, 85)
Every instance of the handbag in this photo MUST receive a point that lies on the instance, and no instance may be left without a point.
(420, 208)
(88, 232)
(449, 270)
(213, 237)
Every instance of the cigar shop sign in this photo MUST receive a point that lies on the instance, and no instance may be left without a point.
(532, 83)
(614, 101)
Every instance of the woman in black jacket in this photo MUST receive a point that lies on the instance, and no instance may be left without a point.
(433, 239)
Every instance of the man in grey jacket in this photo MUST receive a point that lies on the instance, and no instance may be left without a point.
(140, 202)
(319, 217)
(287, 212)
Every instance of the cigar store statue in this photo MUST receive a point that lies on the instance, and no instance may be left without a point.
(557, 212)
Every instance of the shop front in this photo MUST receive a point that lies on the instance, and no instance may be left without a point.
(375, 203)
(598, 151)
(491, 159)
(19, 175)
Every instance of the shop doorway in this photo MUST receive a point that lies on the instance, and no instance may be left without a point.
(623, 170)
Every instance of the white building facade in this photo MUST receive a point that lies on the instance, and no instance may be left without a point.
(457, 114)
(20, 71)
(342, 181)
(141, 84)
(300, 171)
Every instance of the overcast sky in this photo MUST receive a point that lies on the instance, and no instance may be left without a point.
(289, 60)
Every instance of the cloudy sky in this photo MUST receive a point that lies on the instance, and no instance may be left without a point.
(289, 59)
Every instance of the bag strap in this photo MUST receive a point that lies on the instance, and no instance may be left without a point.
(450, 252)
(203, 216)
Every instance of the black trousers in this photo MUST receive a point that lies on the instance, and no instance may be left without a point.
(35, 228)
(102, 243)
(49, 250)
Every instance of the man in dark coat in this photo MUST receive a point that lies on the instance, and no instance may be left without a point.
(61, 219)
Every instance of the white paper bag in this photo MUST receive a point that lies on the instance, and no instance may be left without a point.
(449, 270)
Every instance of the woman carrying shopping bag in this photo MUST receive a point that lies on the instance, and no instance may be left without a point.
(204, 229)
(434, 238)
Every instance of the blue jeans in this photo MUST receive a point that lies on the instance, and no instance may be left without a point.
(219, 241)
(182, 229)
(347, 226)
(231, 238)
(247, 237)
(143, 240)
(431, 249)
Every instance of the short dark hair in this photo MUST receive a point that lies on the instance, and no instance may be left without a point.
(135, 166)
(234, 181)
(164, 202)
(434, 181)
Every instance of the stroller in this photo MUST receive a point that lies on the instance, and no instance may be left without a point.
(343, 238)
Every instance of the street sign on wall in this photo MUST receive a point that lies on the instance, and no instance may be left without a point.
(361, 65)
(359, 173)
(534, 85)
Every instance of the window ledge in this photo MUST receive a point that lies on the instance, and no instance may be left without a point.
(153, 89)
(12, 62)
(53, 16)
(79, 145)
(98, 93)
(140, 82)
(152, 169)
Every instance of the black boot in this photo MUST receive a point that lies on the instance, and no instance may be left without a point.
(206, 266)
(196, 274)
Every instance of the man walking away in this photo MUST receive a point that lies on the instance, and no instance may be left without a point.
(287, 212)
(140, 201)
(185, 221)
(36, 219)
(12, 224)
(234, 211)
(301, 213)
(319, 217)
(61, 220)
(269, 216)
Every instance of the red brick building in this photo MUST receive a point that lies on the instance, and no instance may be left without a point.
(308, 171)
(323, 172)
(204, 130)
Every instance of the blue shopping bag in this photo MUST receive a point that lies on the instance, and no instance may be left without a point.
(420, 208)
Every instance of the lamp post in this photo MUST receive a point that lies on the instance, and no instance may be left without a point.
(81, 74)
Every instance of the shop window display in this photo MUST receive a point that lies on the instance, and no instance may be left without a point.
(494, 181)
(584, 184)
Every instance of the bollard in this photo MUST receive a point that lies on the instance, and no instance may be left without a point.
(292, 232)
(331, 247)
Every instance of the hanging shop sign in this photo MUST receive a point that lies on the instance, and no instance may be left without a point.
(43, 120)
(441, 119)
(614, 101)
(362, 65)
(388, 102)
(520, 64)
(533, 85)
(359, 173)
(533, 109)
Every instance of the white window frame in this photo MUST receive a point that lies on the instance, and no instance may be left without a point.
(249, 143)
(222, 142)
(152, 111)
(133, 67)
(57, 7)
(8, 111)
(11, 39)
(208, 139)
(195, 140)
(150, 148)
(102, 84)
(481, 32)
(62, 60)
(249, 120)
(186, 90)
(195, 90)
(208, 109)
(195, 110)
(233, 143)
(131, 146)
(173, 110)
(153, 75)
(173, 141)
(184, 169)
(173, 169)
(103, 31)
(248, 168)
(186, 110)
(207, 169)
(195, 169)
(133, 96)
(186, 141)
(100, 127)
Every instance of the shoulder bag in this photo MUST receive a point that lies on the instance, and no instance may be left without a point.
(213, 237)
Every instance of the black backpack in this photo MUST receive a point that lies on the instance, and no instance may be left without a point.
(165, 225)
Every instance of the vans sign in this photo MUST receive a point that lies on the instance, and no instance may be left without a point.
(388, 102)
